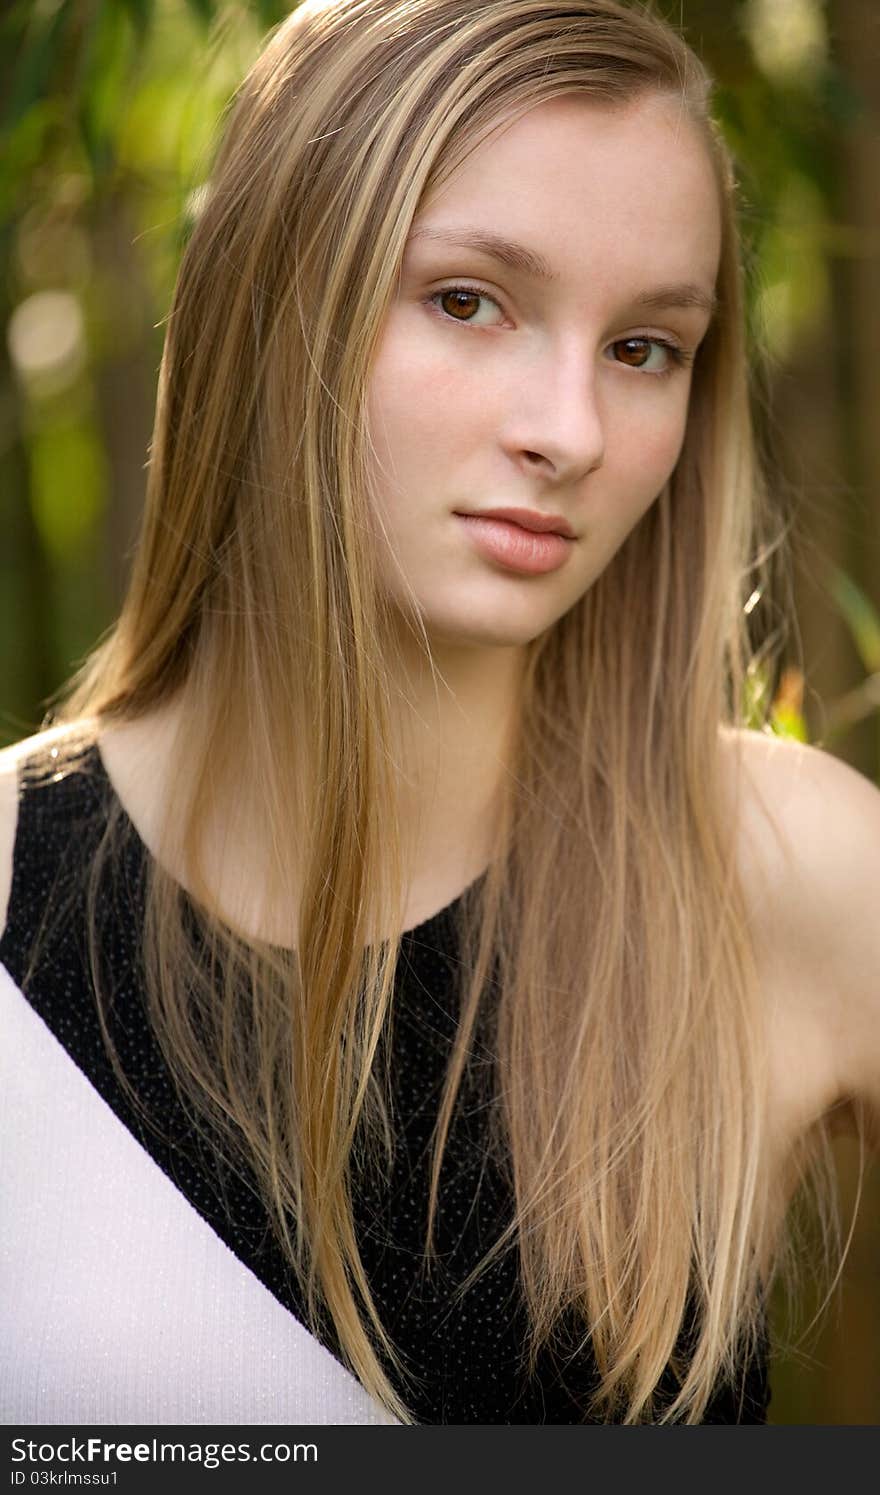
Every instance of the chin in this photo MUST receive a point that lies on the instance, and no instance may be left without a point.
(491, 634)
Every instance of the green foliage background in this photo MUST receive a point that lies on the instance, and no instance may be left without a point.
(108, 110)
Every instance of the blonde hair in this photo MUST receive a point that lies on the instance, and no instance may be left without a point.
(630, 1063)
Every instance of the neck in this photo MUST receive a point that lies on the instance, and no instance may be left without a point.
(453, 747)
(451, 744)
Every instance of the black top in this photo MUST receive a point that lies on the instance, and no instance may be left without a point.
(465, 1357)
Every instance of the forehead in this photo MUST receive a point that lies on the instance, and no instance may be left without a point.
(625, 190)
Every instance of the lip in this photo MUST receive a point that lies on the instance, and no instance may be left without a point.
(530, 519)
(515, 548)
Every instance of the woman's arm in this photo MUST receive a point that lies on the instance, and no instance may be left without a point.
(826, 907)
(844, 857)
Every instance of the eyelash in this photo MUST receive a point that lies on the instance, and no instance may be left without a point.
(679, 357)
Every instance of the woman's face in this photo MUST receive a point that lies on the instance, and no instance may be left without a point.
(494, 386)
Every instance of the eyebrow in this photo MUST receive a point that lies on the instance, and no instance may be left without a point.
(529, 262)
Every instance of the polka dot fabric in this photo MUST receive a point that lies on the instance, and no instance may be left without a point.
(464, 1358)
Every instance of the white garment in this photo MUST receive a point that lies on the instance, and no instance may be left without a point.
(118, 1303)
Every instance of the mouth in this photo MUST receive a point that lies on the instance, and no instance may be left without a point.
(513, 547)
(530, 520)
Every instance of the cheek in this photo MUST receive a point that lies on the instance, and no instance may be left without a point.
(649, 454)
(416, 411)
(409, 365)
(421, 389)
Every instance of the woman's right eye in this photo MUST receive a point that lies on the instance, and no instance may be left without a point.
(462, 298)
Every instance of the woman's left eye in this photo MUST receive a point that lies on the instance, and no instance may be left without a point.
(635, 349)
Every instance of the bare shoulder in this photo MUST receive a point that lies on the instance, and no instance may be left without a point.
(807, 821)
(808, 833)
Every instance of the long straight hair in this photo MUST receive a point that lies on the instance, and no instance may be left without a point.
(629, 1046)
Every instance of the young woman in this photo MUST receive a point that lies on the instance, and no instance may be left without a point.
(421, 998)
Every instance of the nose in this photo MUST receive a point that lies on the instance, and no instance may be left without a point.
(564, 427)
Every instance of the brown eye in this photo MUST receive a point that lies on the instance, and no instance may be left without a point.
(637, 351)
(459, 302)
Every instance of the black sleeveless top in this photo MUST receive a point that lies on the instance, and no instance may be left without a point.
(464, 1357)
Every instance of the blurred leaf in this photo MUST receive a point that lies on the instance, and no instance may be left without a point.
(786, 723)
(756, 690)
(270, 12)
(842, 100)
(861, 617)
(787, 712)
(22, 151)
(204, 10)
(104, 69)
(43, 41)
(141, 14)
(69, 482)
(855, 706)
